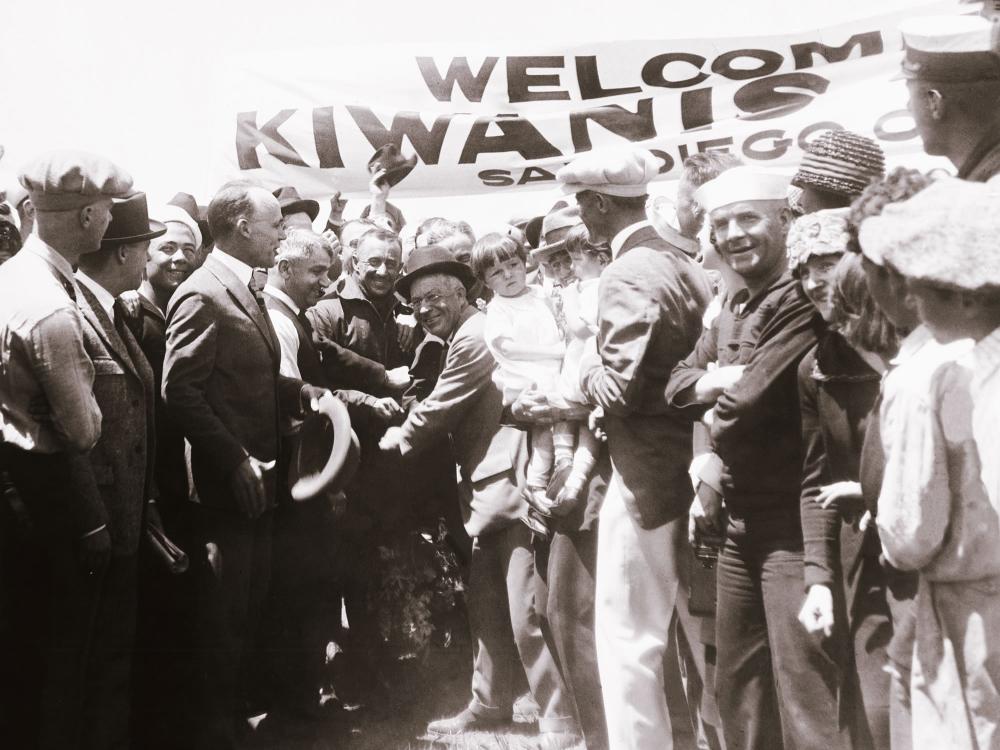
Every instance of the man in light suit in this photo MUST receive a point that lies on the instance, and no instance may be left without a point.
(221, 382)
(118, 471)
(651, 300)
(466, 404)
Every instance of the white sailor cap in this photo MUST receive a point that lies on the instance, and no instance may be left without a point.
(951, 49)
(742, 184)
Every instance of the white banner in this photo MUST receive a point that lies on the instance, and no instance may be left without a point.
(507, 116)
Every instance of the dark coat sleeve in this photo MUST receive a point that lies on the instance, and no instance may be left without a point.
(680, 388)
(343, 368)
(783, 341)
(820, 527)
(192, 336)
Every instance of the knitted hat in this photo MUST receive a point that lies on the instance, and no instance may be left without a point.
(819, 233)
(841, 162)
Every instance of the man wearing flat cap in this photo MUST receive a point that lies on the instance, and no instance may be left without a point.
(467, 404)
(651, 300)
(952, 69)
(743, 375)
(49, 416)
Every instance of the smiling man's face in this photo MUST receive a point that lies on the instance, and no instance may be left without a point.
(750, 236)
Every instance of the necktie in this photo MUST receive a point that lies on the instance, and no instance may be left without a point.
(68, 286)
(256, 286)
(304, 320)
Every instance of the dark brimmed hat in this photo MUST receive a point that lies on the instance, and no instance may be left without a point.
(292, 203)
(396, 165)
(196, 212)
(431, 259)
(130, 222)
(840, 162)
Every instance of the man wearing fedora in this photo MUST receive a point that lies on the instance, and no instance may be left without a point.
(221, 381)
(298, 213)
(119, 469)
(49, 416)
(651, 300)
(466, 404)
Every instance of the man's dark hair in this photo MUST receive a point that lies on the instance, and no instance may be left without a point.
(700, 168)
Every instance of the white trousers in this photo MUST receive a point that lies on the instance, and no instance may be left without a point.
(636, 590)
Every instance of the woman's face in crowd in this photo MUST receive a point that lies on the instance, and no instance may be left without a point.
(816, 277)
(888, 289)
(507, 277)
(437, 304)
(171, 258)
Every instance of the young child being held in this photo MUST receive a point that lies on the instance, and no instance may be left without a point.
(575, 444)
(522, 335)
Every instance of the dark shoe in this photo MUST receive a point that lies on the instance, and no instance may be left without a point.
(466, 721)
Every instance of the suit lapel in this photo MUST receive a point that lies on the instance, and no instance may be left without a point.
(105, 329)
(244, 299)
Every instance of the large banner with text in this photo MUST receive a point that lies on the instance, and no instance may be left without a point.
(489, 118)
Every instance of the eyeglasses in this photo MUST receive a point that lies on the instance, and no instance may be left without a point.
(431, 300)
(376, 263)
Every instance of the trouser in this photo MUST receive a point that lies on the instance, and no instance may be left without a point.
(506, 628)
(900, 595)
(229, 604)
(637, 585)
(871, 630)
(777, 684)
(570, 611)
(87, 621)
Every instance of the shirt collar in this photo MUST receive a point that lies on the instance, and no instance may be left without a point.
(44, 251)
(986, 358)
(104, 297)
(243, 272)
(619, 239)
(912, 344)
(281, 297)
(689, 247)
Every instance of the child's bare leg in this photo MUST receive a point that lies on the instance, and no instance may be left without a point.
(563, 440)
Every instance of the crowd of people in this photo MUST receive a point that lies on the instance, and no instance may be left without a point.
(715, 471)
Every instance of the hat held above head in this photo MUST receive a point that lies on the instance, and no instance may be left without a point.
(819, 233)
(951, 49)
(945, 235)
(65, 180)
(555, 227)
(841, 162)
(389, 160)
(432, 259)
(741, 184)
(130, 222)
(623, 172)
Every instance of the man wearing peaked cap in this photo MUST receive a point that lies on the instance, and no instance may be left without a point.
(952, 70)
(44, 362)
(744, 370)
(651, 300)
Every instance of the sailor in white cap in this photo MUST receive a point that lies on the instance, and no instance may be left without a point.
(743, 370)
(952, 67)
(940, 497)
(651, 299)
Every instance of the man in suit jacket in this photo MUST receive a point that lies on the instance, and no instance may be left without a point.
(221, 382)
(651, 300)
(119, 469)
(466, 404)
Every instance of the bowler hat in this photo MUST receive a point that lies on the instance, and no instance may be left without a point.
(130, 222)
(292, 203)
(432, 259)
(322, 459)
(396, 165)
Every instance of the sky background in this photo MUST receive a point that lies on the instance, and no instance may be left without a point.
(134, 80)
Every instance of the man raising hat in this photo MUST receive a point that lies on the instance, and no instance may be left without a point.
(651, 300)
(952, 70)
(744, 371)
(49, 415)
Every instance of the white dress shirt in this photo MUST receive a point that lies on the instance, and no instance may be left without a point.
(619, 239)
(243, 272)
(104, 297)
(288, 336)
